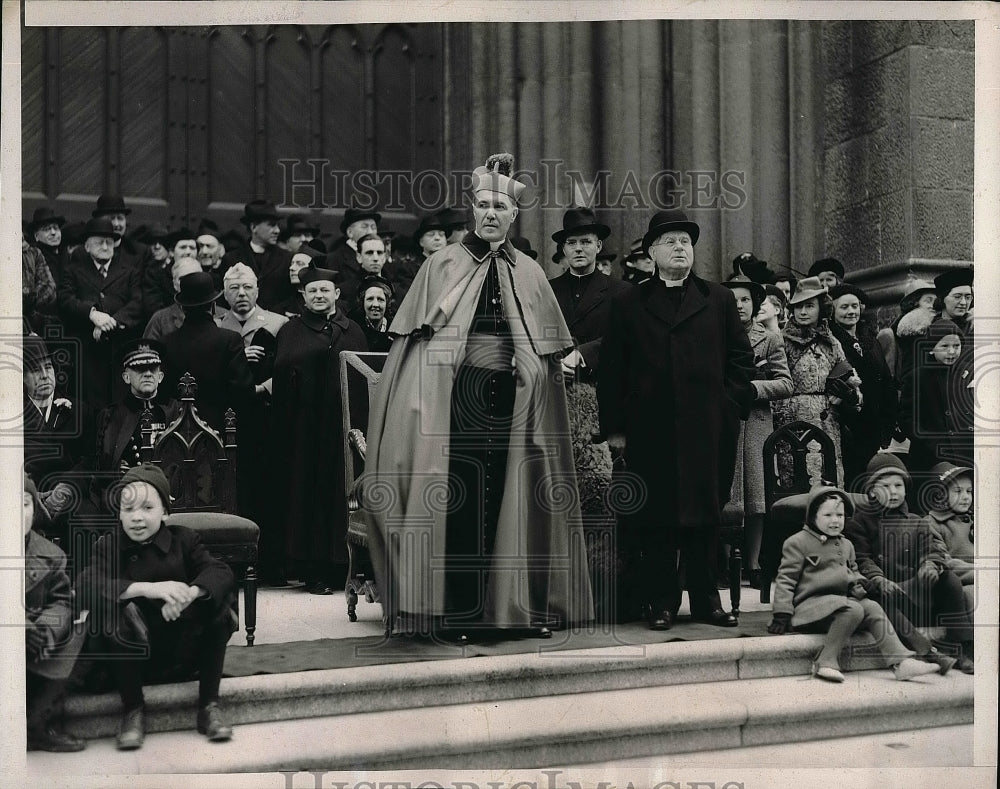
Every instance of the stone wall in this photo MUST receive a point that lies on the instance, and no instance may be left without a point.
(898, 149)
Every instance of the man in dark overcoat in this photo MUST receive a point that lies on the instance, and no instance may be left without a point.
(100, 303)
(583, 293)
(214, 356)
(261, 253)
(343, 256)
(673, 385)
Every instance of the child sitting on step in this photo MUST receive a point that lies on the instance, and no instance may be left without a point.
(819, 589)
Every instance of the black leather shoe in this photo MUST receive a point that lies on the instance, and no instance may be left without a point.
(661, 621)
(718, 617)
(132, 730)
(321, 588)
(965, 665)
(54, 740)
(212, 724)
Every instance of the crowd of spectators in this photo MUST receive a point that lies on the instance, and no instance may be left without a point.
(113, 317)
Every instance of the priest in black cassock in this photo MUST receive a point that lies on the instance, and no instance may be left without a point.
(310, 500)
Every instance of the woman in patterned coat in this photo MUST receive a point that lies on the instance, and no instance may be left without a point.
(812, 353)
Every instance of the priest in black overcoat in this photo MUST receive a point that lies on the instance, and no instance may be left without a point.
(309, 486)
(673, 385)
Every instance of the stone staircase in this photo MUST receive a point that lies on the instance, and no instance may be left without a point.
(524, 710)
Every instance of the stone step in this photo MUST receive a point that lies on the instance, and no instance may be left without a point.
(570, 728)
(485, 678)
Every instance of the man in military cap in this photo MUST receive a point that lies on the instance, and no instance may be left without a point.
(584, 295)
(261, 253)
(471, 399)
(119, 436)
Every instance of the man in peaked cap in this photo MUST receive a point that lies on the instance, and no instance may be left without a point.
(675, 373)
(584, 295)
(478, 341)
(262, 254)
(119, 436)
(214, 356)
(636, 265)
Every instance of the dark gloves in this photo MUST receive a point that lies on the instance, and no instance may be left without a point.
(838, 387)
(779, 624)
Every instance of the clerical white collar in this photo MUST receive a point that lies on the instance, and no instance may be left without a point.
(673, 283)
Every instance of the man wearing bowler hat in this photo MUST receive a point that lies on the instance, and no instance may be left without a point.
(343, 255)
(261, 253)
(673, 384)
(100, 303)
(113, 209)
(584, 294)
(214, 356)
(430, 236)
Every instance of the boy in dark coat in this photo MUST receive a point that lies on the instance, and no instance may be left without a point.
(906, 566)
(51, 644)
(164, 602)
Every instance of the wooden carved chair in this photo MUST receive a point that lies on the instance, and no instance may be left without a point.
(201, 467)
(796, 457)
(359, 373)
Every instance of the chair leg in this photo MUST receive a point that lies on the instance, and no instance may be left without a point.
(352, 603)
(250, 602)
(736, 573)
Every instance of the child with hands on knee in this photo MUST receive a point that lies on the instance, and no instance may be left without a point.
(819, 589)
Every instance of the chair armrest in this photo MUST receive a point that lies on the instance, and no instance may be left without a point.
(356, 440)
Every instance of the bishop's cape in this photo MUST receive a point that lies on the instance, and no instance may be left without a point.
(539, 567)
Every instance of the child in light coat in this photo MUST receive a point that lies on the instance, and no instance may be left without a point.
(819, 588)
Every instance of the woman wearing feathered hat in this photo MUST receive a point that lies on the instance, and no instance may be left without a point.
(468, 441)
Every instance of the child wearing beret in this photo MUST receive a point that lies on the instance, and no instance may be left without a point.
(164, 604)
(819, 589)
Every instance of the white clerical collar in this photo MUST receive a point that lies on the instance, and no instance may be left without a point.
(673, 283)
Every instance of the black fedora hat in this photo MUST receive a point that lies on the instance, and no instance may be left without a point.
(183, 234)
(110, 204)
(452, 218)
(197, 288)
(352, 215)
(827, 264)
(954, 278)
(665, 221)
(74, 233)
(313, 273)
(298, 223)
(44, 216)
(522, 244)
(258, 211)
(99, 226)
(577, 221)
(156, 232)
(428, 223)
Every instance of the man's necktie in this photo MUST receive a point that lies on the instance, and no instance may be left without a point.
(104, 270)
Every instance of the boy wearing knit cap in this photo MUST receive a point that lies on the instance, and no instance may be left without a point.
(951, 517)
(165, 601)
(906, 566)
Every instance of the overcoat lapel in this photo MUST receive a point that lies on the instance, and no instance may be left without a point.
(693, 303)
(592, 296)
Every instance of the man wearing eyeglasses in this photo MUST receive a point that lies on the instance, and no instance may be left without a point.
(673, 385)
